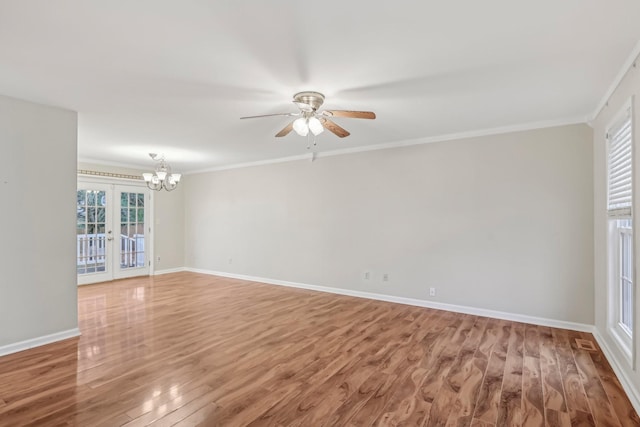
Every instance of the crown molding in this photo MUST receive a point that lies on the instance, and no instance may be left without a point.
(405, 143)
(251, 164)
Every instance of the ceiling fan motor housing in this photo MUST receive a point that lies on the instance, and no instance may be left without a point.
(313, 99)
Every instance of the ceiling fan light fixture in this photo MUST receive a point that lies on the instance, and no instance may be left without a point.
(311, 119)
(315, 126)
(301, 126)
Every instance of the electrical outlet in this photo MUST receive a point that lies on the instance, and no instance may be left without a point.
(158, 259)
(432, 292)
(230, 260)
(385, 277)
(366, 275)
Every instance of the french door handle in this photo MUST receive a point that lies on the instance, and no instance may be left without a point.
(109, 237)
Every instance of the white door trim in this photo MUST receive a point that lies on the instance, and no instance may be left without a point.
(149, 220)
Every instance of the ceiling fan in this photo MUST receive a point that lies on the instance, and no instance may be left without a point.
(314, 121)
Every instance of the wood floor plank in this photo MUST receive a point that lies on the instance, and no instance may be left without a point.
(601, 408)
(488, 340)
(580, 418)
(466, 376)
(510, 410)
(403, 361)
(479, 423)
(405, 405)
(354, 403)
(397, 370)
(189, 349)
(180, 414)
(204, 416)
(376, 403)
(443, 355)
(622, 407)
(577, 403)
(332, 395)
(488, 402)
(555, 418)
(245, 410)
(552, 389)
(533, 413)
(156, 407)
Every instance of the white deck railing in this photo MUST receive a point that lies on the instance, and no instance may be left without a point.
(91, 249)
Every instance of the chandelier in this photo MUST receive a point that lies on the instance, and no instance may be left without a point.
(162, 177)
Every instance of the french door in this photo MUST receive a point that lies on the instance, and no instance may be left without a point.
(112, 231)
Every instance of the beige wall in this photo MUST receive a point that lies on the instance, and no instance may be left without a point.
(630, 86)
(168, 243)
(500, 222)
(168, 214)
(37, 188)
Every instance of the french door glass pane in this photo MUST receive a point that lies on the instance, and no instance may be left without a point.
(132, 230)
(90, 236)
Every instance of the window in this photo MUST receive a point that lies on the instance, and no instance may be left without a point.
(620, 239)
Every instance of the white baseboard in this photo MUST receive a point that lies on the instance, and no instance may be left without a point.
(627, 383)
(38, 341)
(582, 327)
(169, 270)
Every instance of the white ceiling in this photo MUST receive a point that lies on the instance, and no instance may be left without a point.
(174, 77)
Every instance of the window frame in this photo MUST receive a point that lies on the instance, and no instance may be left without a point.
(624, 338)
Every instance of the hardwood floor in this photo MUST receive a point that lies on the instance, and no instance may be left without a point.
(188, 349)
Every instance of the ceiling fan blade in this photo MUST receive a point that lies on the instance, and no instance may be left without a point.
(285, 131)
(270, 115)
(352, 114)
(303, 106)
(331, 126)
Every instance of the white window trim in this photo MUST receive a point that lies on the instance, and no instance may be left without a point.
(625, 344)
(615, 330)
(134, 183)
